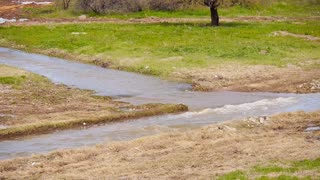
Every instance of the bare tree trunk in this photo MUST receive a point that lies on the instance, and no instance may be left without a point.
(214, 17)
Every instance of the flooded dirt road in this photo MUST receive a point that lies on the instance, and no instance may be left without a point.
(205, 107)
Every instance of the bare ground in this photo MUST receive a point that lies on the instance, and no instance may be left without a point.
(201, 153)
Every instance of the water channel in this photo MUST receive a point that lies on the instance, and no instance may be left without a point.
(205, 107)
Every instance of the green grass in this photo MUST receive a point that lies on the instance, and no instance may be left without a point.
(15, 81)
(295, 167)
(239, 175)
(152, 48)
(278, 172)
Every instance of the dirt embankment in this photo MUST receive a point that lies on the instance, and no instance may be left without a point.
(254, 78)
(202, 153)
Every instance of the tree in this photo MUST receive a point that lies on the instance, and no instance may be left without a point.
(213, 5)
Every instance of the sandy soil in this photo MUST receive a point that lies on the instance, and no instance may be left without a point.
(255, 78)
(201, 153)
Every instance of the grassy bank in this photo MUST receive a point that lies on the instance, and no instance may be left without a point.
(30, 104)
(47, 127)
(160, 49)
(242, 149)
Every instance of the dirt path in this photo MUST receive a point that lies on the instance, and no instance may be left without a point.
(150, 20)
(203, 153)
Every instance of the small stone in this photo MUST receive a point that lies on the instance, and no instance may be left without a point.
(218, 77)
(82, 17)
(252, 119)
(78, 33)
(263, 52)
(261, 120)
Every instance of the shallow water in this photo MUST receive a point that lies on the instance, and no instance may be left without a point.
(206, 107)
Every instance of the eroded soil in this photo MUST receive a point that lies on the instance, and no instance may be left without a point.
(202, 153)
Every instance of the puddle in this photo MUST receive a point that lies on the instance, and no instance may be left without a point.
(2, 20)
(34, 2)
(205, 107)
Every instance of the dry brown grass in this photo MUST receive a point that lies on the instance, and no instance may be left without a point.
(202, 153)
(36, 99)
(236, 77)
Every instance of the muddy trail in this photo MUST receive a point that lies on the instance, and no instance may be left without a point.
(205, 107)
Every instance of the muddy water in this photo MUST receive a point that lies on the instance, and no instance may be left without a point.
(206, 108)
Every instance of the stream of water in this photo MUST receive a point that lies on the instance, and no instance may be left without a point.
(205, 107)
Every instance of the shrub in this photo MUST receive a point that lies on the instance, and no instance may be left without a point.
(109, 6)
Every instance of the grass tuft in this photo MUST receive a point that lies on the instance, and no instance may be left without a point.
(12, 80)
(238, 175)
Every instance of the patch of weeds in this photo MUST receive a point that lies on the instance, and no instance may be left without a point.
(273, 172)
(274, 169)
(235, 175)
(307, 164)
(295, 167)
(14, 81)
(284, 177)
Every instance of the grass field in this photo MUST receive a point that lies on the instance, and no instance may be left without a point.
(160, 49)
